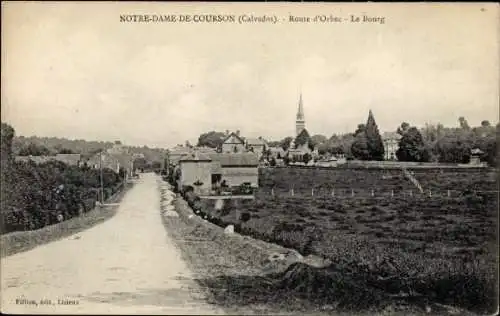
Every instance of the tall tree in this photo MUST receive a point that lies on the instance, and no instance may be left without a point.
(304, 138)
(412, 147)
(211, 139)
(359, 148)
(463, 123)
(285, 142)
(373, 138)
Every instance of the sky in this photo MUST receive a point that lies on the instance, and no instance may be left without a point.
(74, 70)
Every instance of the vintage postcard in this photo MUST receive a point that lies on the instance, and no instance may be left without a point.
(241, 159)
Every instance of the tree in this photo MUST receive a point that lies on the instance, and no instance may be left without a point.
(33, 149)
(360, 129)
(211, 139)
(319, 139)
(304, 138)
(7, 135)
(403, 128)
(359, 147)
(285, 142)
(412, 147)
(373, 138)
(485, 123)
(306, 158)
(463, 123)
(454, 148)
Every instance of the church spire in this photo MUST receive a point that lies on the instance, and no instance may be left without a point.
(300, 122)
(300, 112)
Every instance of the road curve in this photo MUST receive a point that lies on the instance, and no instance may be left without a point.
(126, 265)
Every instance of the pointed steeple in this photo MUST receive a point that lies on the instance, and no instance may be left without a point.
(300, 112)
(300, 122)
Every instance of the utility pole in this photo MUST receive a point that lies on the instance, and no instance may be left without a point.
(101, 178)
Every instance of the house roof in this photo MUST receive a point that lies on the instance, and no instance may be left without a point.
(256, 141)
(195, 157)
(232, 134)
(391, 135)
(70, 159)
(236, 159)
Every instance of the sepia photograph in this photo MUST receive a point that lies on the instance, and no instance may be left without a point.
(224, 158)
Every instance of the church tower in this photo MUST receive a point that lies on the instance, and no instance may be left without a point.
(300, 122)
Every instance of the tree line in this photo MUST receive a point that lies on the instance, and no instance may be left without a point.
(432, 143)
(35, 195)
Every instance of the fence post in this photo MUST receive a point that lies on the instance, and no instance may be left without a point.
(312, 191)
(272, 191)
(292, 192)
(372, 193)
(430, 193)
(333, 192)
(392, 193)
(411, 193)
(352, 192)
(448, 193)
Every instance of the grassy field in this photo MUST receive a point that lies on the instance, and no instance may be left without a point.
(439, 248)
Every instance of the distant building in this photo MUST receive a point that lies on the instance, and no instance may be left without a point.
(475, 157)
(196, 171)
(300, 122)
(206, 172)
(391, 144)
(233, 143)
(256, 145)
(235, 169)
(277, 152)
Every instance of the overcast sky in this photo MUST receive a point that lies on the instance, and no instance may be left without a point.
(73, 70)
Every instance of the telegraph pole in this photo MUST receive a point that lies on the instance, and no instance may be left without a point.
(101, 178)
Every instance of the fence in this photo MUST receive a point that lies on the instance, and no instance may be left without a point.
(364, 193)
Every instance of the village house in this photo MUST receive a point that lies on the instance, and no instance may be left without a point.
(233, 143)
(256, 145)
(113, 158)
(206, 172)
(391, 144)
(235, 169)
(196, 171)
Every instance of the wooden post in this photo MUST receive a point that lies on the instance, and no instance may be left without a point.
(312, 191)
(333, 192)
(292, 192)
(352, 192)
(372, 193)
(430, 193)
(448, 193)
(392, 193)
(411, 193)
(272, 191)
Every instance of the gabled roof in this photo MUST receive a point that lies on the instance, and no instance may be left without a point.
(195, 157)
(236, 159)
(391, 135)
(256, 141)
(70, 159)
(232, 134)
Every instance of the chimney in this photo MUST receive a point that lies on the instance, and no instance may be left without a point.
(238, 132)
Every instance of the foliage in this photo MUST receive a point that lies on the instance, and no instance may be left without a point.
(211, 139)
(33, 149)
(412, 147)
(359, 147)
(306, 158)
(454, 148)
(373, 138)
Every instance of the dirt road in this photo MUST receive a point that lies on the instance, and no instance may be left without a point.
(125, 265)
